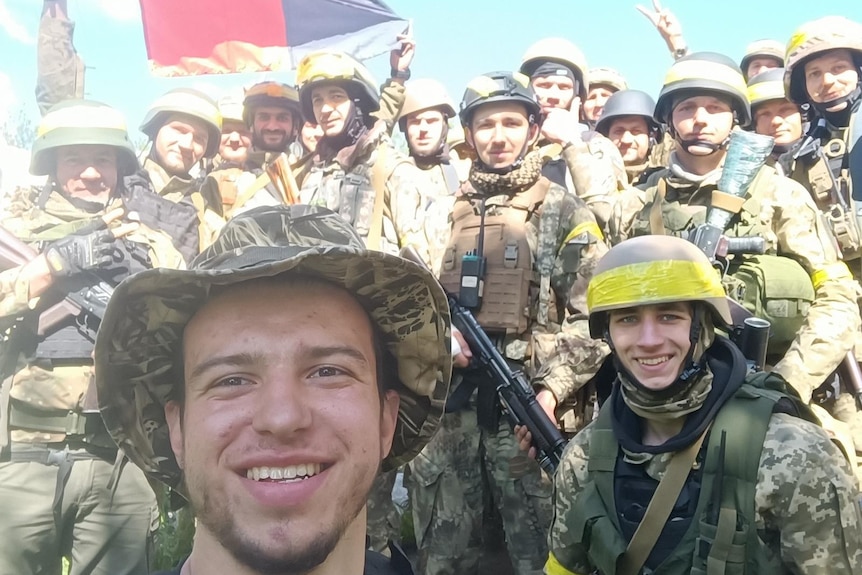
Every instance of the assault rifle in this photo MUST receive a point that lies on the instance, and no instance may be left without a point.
(517, 397)
(92, 299)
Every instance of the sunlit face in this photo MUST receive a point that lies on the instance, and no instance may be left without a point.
(631, 136)
(283, 427)
(425, 132)
(652, 341)
(703, 118)
(761, 64)
(235, 142)
(87, 171)
(273, 128)
(180, 143)
(830, 77)
(597, 97)
(780, 119)
(310, 134)
(554, 92)
(332, 106)
(500, 132)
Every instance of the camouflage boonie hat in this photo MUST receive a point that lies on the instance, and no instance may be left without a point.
(139, 345)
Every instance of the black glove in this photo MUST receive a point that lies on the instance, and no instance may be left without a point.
(76, 253)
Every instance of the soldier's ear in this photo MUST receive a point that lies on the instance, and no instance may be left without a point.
(535, 130)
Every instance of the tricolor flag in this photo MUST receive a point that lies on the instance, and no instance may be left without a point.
(188, 37)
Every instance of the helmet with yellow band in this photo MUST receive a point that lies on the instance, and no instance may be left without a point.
(559, 51)
(271, 94)
(813, 39)
(337, 68)
(81, 122)
(766, 87)
(499, 87)
(703, 73)
(651, 270)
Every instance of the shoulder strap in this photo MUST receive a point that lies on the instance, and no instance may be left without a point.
(450, 176)
(380, 173)
(659, 508)
(656, 221)
(854, 145)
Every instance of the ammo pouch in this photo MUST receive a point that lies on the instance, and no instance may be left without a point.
(776, 289)
(846, 230)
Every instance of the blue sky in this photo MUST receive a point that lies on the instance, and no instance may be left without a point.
(457, 39)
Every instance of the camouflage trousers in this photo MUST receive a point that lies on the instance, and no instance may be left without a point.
(102, 529)
(446, 492)
(382, 523)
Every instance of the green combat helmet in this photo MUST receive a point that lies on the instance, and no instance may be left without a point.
(191, 103)
(81, 122)
(139, 346)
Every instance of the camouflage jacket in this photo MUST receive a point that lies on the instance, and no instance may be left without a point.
(806, 502)
(565, 245)
(57, 389)
(344, 184)
(422, 212)
(782, 212)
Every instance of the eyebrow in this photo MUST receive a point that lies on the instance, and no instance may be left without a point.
(245, 359)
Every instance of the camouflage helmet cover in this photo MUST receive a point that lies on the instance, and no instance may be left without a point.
(192, 103)
(648, 270)
(424, 94)
(81, 122)
(607, 77)
(812, 39)
(326, 66)
(138, 348)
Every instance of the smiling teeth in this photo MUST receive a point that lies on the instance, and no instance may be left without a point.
(289, 473)
(654, 360)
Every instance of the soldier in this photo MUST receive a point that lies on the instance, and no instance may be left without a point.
(583, 161)
(61, 492)
(274, 420)
(628, 122)
(355, 170)
(693, 465)
(536, 244)
(184, 128)
(773, 115)
(424, 121)
(604, 83)
(234, 177)
(760, 56)
(703, 98)
(271, 111)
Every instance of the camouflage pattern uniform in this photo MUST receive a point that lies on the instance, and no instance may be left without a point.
(109, 512)
(446, 479)
(344, 184)
(806, 500)
(60, 71)
(782, 212)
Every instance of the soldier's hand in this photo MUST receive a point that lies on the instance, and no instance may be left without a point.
(666, 23)
(400, 58)
(562, 127)
(461, 353)
(525, 441)
(75, 253)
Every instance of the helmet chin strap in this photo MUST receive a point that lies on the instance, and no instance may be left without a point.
(691, 368)
(506, 169)
(849, 99)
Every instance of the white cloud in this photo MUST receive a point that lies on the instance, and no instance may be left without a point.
(122, 10)
(12, 27)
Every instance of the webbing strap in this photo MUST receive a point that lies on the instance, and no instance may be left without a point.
(659, 509)
(720, 550)
(656, 221)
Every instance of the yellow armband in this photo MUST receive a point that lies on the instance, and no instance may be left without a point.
(553, 567)
(837, 271)
(589, 227)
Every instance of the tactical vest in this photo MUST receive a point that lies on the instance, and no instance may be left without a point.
(721, 536)
(511, 284)
(772, 287)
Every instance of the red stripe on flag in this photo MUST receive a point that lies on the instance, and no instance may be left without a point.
(177, 30)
